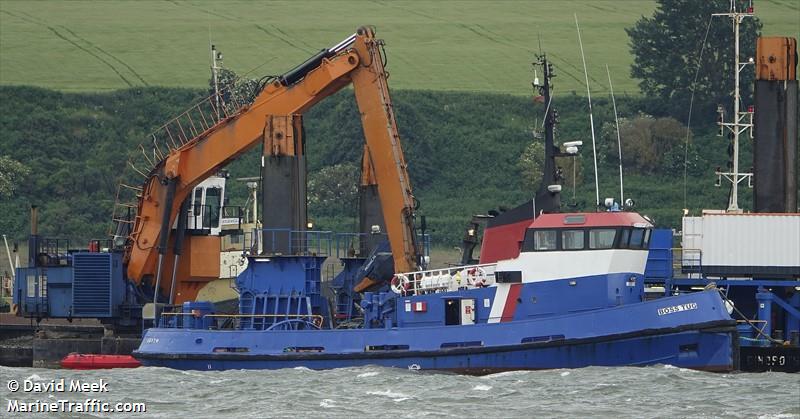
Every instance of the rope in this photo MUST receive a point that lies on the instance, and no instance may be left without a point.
(748, 321)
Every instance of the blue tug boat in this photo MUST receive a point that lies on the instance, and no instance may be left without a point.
(573, 297)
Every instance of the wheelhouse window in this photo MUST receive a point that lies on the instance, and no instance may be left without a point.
(572, 239)
(637, 238)
(602, 238)
(624, 237)
(586, 238)
(545, 240)
(640, 238)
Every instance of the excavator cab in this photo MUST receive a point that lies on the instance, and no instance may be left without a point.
(206, 209)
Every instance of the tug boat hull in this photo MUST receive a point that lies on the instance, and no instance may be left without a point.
(630, 335)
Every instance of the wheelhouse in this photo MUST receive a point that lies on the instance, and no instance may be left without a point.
(577, 232)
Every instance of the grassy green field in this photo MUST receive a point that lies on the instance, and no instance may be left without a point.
(434, 45)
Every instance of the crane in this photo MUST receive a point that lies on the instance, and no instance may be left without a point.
(200, 150)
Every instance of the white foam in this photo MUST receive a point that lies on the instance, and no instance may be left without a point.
(481, 387)
(505, 374)
(368, 374)
(398, 397)
(327, 403)
(34, 377)
(219, 381)
(565, 373)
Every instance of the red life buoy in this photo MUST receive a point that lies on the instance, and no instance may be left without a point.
(400, 284)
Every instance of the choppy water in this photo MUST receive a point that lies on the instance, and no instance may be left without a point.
(659, 391)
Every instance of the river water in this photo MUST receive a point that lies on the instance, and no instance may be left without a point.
(658, 391)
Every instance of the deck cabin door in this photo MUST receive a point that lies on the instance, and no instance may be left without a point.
(468, 311)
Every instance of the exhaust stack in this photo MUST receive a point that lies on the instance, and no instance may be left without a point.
(33, 239)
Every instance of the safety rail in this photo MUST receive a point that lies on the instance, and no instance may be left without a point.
(444, 279)
(232, 215)
(287, 242)
(206, 217)
(355, 244)
(53, 252)
(691, 260)
(182, 320)
(100, 245)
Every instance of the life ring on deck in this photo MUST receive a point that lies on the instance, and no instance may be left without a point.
(400, 284)
(476, 277)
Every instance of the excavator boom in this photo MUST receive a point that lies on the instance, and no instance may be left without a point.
(358, 61)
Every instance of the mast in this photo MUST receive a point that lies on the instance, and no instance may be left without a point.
(549, 177)
(547, 198)
(737, 126)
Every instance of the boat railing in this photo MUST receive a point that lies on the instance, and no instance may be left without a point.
(444, 279)
(691, 260)
(350, 245)
(183, 320)
(287, 242)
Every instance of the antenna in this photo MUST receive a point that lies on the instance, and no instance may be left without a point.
(619, 139)
(689, 118)
(737, 126)
(539, 35)
(591, 117)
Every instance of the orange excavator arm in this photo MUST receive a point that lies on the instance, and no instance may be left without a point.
(356, 60)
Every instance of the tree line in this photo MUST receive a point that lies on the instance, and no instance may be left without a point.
(468, 153)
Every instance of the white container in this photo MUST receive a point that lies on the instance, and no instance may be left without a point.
(745, 244)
